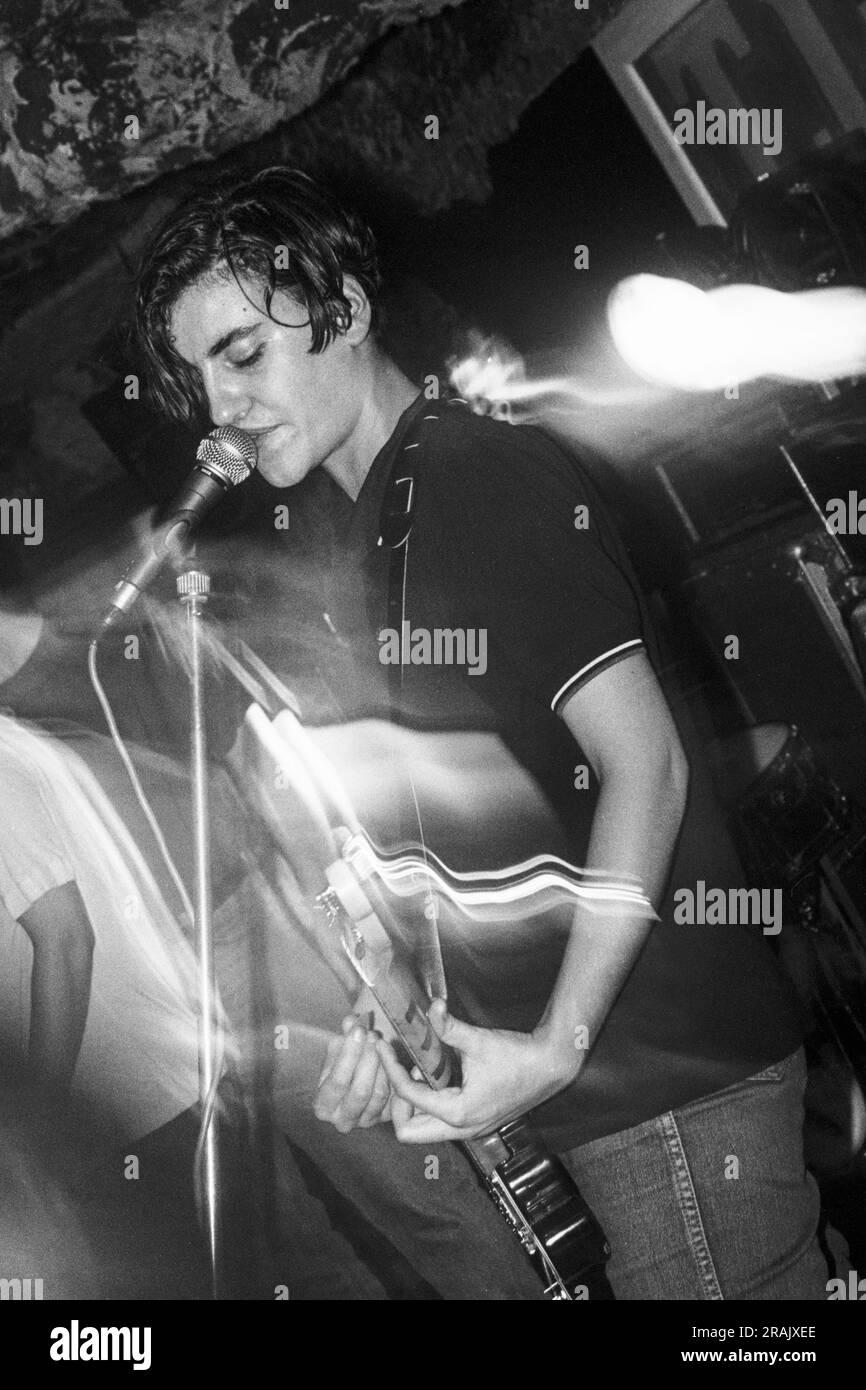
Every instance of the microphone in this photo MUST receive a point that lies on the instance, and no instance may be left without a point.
(226, 457)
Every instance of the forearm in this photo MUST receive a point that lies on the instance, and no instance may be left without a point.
(634, 832)
(59, 998)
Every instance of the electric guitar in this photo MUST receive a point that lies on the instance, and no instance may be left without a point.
(531, 1187)
(306, 809)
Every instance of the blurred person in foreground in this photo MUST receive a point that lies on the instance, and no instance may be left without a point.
(98, 1027)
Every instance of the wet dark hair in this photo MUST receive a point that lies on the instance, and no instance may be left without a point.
(239, 223)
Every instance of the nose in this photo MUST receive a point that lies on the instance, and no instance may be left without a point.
(228, 399)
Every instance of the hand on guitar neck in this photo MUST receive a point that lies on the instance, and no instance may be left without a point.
(363, 1083)
(504, 1075)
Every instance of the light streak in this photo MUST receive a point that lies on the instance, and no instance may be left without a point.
(493, 378)
(530, 887)
(674, 334)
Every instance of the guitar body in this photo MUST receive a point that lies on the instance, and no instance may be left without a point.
(566, 1244)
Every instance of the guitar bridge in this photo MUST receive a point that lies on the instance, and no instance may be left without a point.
(354, 943)
(328, 903)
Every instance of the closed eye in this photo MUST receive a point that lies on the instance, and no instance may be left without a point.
(252, 359)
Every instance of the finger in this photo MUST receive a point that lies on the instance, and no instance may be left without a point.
(426, 1129)
(337, 1082)
(401, 1110)
(445, 1105)
(456, 1034)
(332, 1052)
(360, 1092)
(378, 1107)
(380, 1117)
(334, 1045)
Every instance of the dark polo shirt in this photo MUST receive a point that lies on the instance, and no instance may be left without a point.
(510, 537)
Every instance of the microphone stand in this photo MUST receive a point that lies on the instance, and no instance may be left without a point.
(193, 587)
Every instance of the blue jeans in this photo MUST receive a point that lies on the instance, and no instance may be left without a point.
(712, 1201)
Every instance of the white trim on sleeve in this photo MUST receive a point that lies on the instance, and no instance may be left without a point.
(584, 671)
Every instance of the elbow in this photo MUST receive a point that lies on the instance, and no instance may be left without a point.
(676, 778)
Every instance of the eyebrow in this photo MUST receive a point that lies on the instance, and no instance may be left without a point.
(231, 337)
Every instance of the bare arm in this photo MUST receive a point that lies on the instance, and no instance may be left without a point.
(622, 722)
(62, 938)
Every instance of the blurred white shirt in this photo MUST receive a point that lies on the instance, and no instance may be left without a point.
(138, 1064)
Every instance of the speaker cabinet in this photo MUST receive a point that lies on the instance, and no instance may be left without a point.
(781, 596)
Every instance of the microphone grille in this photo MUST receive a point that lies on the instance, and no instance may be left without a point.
(228, 452)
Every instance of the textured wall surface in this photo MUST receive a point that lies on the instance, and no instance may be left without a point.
(476, 70)
(83, 199)
(196, 76)
(475, 67)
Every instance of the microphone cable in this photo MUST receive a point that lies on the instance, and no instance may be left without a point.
(210, 1100)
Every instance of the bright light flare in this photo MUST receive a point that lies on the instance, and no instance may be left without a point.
(522, 890)
(492, 378)
(667, 332)
(673, 334)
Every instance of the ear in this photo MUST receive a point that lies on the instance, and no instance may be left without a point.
(359, 329)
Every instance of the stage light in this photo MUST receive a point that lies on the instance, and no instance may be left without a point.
(673, 334)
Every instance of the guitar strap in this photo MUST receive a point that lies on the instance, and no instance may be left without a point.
(399, 507)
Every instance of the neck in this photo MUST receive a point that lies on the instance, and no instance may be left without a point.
(389, 393)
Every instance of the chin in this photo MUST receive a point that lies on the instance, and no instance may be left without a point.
(283, 472)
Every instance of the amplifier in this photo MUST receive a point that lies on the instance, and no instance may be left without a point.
(794, 660)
